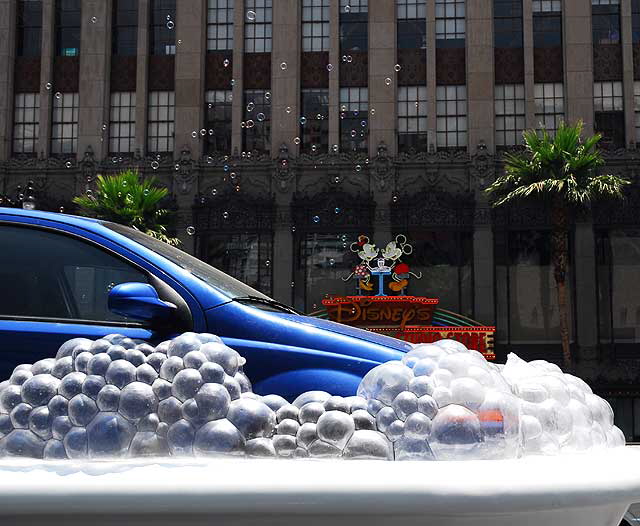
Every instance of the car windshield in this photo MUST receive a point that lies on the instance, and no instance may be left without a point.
(231, 287)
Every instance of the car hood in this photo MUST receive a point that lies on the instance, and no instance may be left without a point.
(340, 328)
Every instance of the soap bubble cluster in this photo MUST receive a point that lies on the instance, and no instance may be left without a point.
(117, 397)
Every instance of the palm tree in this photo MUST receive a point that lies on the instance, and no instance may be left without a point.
(124, 199)
(562, 171)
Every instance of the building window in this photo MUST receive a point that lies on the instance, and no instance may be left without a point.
(257, 121)
(606, 21)
(451, 116)
(618, 260)
(124, 37)
(220, 25)
(412, 118)
(626, 416)
(635, 20)
(29, 28)
(636, 103)
(510, 114)
(450, 23)
(507, 23)
(122, 123)
(163, 24)
(315, 25)
(412, 24)
(26, 123)
(257, 26)
(549, 100)
(64, 124)
(547, 24)
(354, 119)
(526, 298)
(547, 6)
(608, 104)
(218, 121)
(67, 28)
(354, 22)
(160, 133)
(314, 130)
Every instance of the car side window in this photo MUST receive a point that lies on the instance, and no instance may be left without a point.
(44, 274)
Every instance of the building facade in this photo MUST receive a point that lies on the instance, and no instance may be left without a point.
(285, 128)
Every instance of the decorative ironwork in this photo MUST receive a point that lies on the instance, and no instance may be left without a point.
(162, 73)
(354, 69)
(27, 75)
(313, 70)
(548, 64)
(483, 165)
(333, 209)
(218, 70)
(66, 74)
(229, 211)
(432, 207)
(607, 62)
(619, 214)
(636, 61)
(413, 63)
(451, 66)
(123, 73)
(509, 65)
(257, 70)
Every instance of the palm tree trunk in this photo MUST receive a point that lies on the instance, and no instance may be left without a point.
(560, 255)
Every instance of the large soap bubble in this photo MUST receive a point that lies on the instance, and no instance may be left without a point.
(116, 398)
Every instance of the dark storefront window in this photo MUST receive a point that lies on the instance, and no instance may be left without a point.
(244, 256)
(605, 22)
(314, 129)
(618, 259)
(68, 28)
(507, 23)
(526, 297)
(125, 28)
(163, 24)
(29, 28)
(626, 411)
(354, 30)
(257, 120)
(218, 121)
(445, 260)
(412, 24)
(325, 259)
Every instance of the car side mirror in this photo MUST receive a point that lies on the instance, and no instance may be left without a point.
(139, 301)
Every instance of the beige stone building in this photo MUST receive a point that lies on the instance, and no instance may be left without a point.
(286, 128)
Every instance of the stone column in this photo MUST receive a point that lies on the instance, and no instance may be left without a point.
(46, 76)
(578, 62)
(142, 79)
(191, 16)
(95, 59)
(431, 77)
(586, 295)
(7, 55)
(382, 59)
(529, 95)
(627, 71)
(334, 74)
(480, 75)
(237, 89)
(483, 263)
(285, 75)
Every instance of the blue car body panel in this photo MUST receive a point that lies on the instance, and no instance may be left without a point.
(286, 353)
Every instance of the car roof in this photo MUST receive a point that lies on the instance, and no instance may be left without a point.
(50, 216)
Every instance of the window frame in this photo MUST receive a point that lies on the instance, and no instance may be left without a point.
(22, 36)
(59, 14)
(251, 134)
(451, 30)
(444, 118)
(77, 321)
(511, 23)
(170, 122)
(405, 115)
(35, 123)
(256, 30)
(158, 30)
(311, 24)
(209, 124)
(541, 104)
(214, 41)
(347, 106)
(354, 26)
(411, 20)
(313, 125)
(116, 124)
(510, 135)
(74, 123)
(117, 44)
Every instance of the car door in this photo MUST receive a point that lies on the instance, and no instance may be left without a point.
(54, 287)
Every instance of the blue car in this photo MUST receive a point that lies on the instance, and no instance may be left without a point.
(63, 277)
